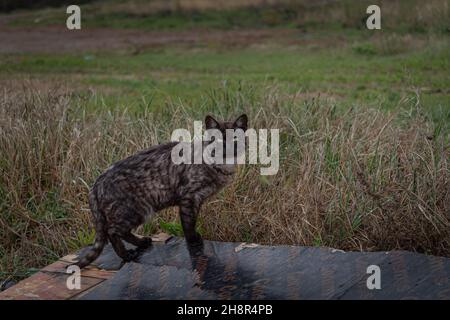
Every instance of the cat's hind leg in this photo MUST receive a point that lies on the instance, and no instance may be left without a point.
(122, 219)
(119, 247)
(140, 242)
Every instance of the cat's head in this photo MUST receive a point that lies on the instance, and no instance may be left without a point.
(237, 129)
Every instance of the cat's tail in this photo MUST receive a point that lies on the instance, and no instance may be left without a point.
(101, 236)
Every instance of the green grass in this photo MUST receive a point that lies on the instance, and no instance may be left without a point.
(173, 228)
(167, 20)
(400, 15)
(344, 75)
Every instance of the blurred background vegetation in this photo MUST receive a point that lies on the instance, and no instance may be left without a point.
(401, 15)
(11, 5)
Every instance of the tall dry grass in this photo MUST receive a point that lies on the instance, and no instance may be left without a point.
(350, 178)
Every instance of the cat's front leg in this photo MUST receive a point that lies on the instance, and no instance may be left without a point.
(188, 216)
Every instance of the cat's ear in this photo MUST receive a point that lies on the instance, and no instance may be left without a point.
(211, 123)
(241, 122)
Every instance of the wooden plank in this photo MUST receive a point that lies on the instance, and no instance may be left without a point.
(89, 271)
(50, 282)
(46, 286)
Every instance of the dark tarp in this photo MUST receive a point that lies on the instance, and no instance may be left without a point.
(224, 270)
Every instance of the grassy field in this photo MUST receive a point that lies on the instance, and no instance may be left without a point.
(364, 119)
(399, 15)
(349, 75)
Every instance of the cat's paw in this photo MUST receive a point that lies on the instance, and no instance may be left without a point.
(195, 241)
(195, 250)
(146, 242)
(131, 255)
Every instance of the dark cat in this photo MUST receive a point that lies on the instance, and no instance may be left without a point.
(134, 188)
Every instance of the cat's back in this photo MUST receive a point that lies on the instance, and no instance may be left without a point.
(144, 165)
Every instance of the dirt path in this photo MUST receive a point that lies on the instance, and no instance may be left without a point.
(60, 39)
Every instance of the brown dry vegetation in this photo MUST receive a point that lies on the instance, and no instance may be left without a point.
(354, 179)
